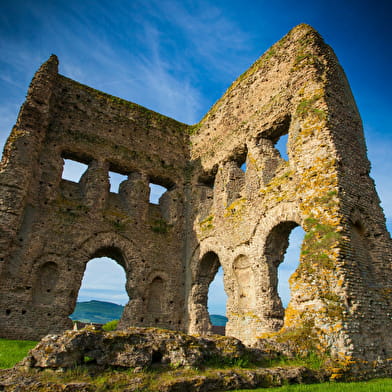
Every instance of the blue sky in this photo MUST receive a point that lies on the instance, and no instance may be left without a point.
(178, 57)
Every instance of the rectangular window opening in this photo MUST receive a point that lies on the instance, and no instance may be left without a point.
(156, 192)
(73, 170)
(115, 180)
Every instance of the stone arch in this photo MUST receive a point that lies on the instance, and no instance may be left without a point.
(116, 247)
(276, 244)
(283, 212)
(107, 244)
(269, 244)
(95, 244)
(206, 268)
(45, 282)
(103, 284)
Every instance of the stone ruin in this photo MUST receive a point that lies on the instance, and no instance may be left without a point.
(213, 213)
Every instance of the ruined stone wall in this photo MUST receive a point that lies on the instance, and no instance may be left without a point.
(214, 214)
(340, 293)
(54, 226)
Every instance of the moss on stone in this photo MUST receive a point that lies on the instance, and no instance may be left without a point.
(160, 226)
(207, 223)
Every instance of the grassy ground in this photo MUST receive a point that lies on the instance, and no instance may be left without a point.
(13, 351)
(377, 385)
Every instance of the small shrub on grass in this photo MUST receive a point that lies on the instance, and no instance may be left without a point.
(13, 351)
(110, 326)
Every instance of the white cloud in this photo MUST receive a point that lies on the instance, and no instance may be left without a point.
(211, 37)
(104, 295)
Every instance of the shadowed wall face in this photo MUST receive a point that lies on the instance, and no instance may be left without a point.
(213, 212)
(62, 224)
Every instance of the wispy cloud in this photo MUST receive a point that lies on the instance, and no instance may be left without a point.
(158, 69)
(212, 38)
(113, 296)
(145, 77)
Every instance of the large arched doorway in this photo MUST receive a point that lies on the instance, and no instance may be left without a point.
(205, 273)
(102, 294)
(216, 303)
(289, 263)
(282, 255)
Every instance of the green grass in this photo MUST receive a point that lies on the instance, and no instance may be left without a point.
(376, 385)
(311, 361)
(13, 351)
(110, 326)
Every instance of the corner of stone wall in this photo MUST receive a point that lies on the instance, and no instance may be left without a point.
(19, 164)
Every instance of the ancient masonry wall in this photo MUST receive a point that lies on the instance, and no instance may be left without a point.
(213, 213)
(52, 227)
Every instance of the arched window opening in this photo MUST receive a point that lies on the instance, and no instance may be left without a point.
(102, 294)
(209, 295)
(217, 299)
(115, 180)
(73, 170)
(290, 263)
(235, 176)
(241, 161)
(158, 187)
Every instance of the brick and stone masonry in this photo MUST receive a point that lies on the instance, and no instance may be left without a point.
(213, 213)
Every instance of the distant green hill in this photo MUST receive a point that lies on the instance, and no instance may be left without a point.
(102, 312)
(96, 312)
(218, 320)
